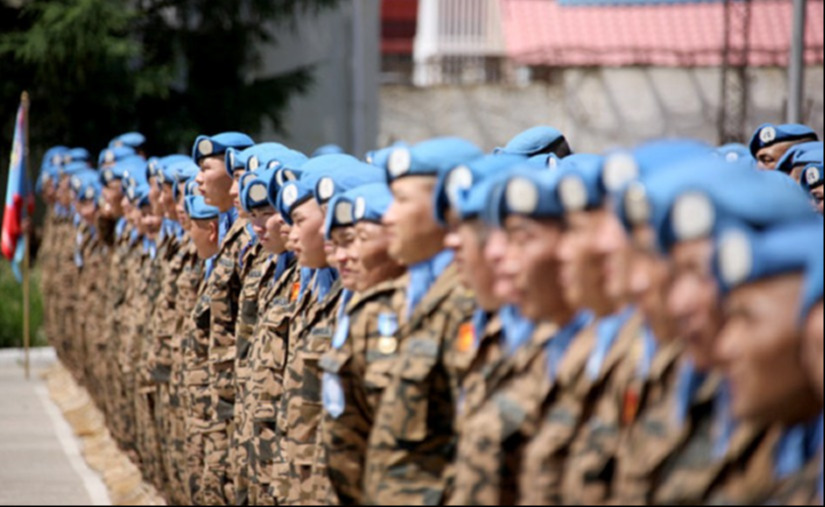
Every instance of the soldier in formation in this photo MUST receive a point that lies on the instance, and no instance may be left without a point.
(433, 324)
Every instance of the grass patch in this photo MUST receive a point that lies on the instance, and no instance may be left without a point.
(11, 309)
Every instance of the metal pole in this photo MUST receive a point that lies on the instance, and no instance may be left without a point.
(796, 64)
(26, 246)
(358, 76)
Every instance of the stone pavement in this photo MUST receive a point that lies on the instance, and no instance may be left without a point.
(40, 460)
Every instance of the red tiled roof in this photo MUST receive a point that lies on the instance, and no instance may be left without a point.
(541, 32)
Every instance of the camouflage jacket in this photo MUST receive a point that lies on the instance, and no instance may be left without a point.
(412, 446)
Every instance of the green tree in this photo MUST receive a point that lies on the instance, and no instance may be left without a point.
(168, 68)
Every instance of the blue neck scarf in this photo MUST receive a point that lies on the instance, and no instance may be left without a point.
(558, 345)
(724, 423)
(607, 330)
(281, 265)
(342, 322)
(687, 385)
(324, 279)
(208, 267)
(423, 275)
(480, 320)
(649, 348)
(798, 445)
(150, 247)
(120, 227)
(517, 329)
(225, 221)
(306, 277)
(133, 237)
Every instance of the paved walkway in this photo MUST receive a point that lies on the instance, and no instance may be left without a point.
(40, 461)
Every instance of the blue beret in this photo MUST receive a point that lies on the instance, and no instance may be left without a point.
(129, 168)
(89, 189)
(428, 158)
(530, 193)
(112, 155)
(133, 140)
(537, 141)
(76, 155)
(208, 146)
(800, 154)
(547, 161)
(370, 202)
(73, 168)
(814, 275)
(138, 194)
(700, 197)
(744, 256)
(167, 167)
(621, 167)
(197, 209)
(454, 181)
(292, 195)
(339, 214)
(379, 158)
(191, 188)
(768, 134)
(282, 177)
(581, 186)
(54, 157)
(250, 158)
(80, 178)
(812, 176)
(344, 176)
(255, 189)
(328, 149)
(733, 152)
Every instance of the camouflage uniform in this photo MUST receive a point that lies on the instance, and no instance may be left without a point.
(198, 398)
(540, 479)
(500, 419)
(162, 329)
(147, 294)
(267, 364)
(310, 336)
(187, 289)
(255, 264)
(363, 364)
(218, 486)
(589, 470)
(113, 329)
(411, 448)
(646, 403)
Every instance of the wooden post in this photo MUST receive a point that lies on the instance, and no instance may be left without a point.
(27, 238)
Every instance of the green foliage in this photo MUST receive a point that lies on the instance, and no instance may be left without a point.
(11, 309)
(169, 68)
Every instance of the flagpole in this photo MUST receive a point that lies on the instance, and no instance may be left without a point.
(24, 99)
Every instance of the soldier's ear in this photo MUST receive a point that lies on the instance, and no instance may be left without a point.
(213, 231)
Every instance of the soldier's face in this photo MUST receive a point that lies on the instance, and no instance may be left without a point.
(767, 158)
(812, 349)
(342, 241)
(170, 209)
(235, 189)
(414, 234)
(693, 301)
(371, 261)
(183, 218)
(818, 195)
(154, 196)
(532, 262)
(113, 196)
(758, 349)
(495, 253)
(649, 282)
(274, 241)
(286, 234)
(467, 239)
(582, 274)
(150, 221)
(88, 211)
(214, 183)
(309, 243)
(204, 234)
(64, 195)
(613, 247)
